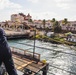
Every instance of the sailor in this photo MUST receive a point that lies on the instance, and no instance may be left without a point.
(5, 54)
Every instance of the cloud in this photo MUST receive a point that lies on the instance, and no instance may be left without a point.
(8, 4)
(33, 1)
(64, 4)
(7, 8)
(44, 15)
(39, 9)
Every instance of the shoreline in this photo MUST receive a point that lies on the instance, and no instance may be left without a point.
(24, 35)
(53, 42)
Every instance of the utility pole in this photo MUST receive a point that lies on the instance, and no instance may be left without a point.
(34, 41)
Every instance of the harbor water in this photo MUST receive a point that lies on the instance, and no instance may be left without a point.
(61, 58)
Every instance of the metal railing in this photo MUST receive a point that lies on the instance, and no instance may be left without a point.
(25, 52)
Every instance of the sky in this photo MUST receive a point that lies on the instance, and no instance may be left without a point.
(39, 9)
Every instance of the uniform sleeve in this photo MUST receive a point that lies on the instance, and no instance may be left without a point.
(2, 35)
(2, 32)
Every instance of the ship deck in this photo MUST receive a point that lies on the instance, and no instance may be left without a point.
(23, 63)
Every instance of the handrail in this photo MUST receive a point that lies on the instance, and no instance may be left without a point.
(25, 52)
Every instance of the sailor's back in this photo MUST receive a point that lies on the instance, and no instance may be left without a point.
(5, 54)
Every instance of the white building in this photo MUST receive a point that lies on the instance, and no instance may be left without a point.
(17, 17)
(39, 24)
(71, 38)
(49, 24)
(20, 17)
(49, 34)
(70, 26)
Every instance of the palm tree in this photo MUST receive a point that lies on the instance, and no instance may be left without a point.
(30, 20)
(6, 24)
(53, 20)
(56, 23)
(56, 27)
(44, 22)
(65, 21)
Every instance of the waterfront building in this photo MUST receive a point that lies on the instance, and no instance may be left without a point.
(20, 17)
(39, 24)
(70, 26)
(17, 20)
(71, 38)
(49, 24)
(28, 17)
(17, 17)
(49, 34)
(2, 24)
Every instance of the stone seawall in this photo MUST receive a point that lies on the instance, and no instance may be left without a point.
(16, 35)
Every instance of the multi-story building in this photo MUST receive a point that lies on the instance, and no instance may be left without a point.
(49, 24)
(2, 24)
(70, 26)
(17, 17)
(71, 38)
(39, 24)
(20, 17)
(28, 17)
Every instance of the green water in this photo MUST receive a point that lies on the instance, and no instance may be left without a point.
(64, 63)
